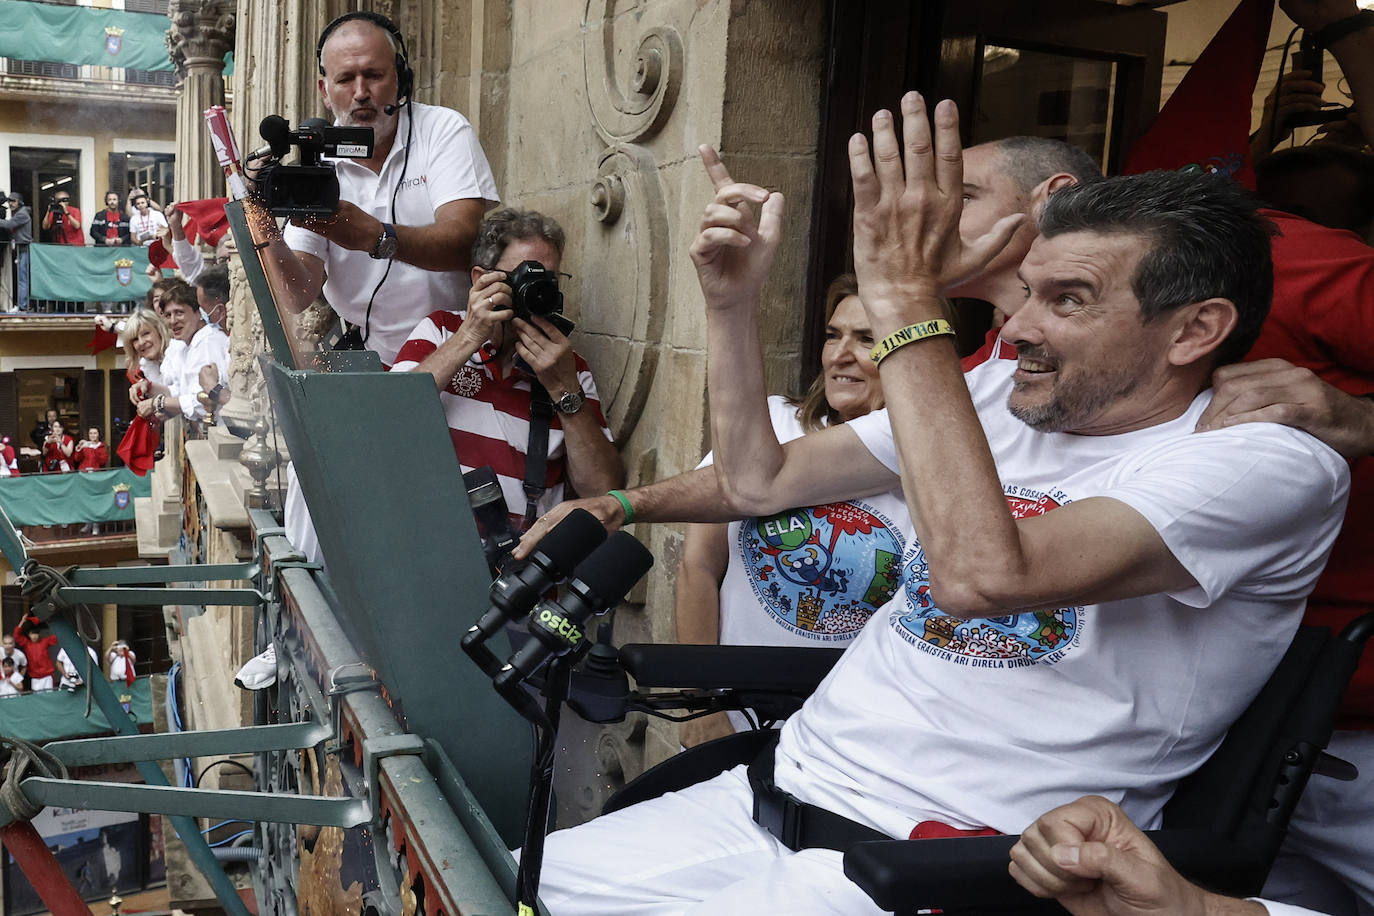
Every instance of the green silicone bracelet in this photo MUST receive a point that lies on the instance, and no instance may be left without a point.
(624, 504)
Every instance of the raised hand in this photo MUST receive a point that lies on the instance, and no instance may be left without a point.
(734, 249)
(907, 201)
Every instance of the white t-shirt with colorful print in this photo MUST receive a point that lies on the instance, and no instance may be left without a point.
(991, 722)
(811, 576)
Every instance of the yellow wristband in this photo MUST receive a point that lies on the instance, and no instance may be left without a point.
(909, 334)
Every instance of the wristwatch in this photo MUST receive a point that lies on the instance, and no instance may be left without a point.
(570, 402)
(215, 392)
(385, 247)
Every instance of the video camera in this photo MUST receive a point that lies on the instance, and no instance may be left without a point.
(307, 189)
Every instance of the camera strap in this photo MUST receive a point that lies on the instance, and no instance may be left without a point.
(537, 452)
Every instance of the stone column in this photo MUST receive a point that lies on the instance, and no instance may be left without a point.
(202, 33)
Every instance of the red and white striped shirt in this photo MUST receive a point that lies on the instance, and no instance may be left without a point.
(488, 414)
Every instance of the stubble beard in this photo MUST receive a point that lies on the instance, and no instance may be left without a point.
(1072, 405)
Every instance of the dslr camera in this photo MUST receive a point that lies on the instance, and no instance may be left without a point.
(492, 517)
(308, 188)
(534, 291)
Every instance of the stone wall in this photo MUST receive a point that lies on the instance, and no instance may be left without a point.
(592, 112)
(605, 107)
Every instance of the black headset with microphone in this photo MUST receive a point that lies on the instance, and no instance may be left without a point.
(405, 77)
(354, 339)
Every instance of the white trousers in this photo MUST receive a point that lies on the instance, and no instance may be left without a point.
(1327, 861)
(695, 852)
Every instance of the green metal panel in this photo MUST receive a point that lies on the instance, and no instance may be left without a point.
(13, 547)
(405, 564)
(325, 810)
(143, 575)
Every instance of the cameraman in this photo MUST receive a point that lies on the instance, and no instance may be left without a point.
(397, 247)
(63, 214)
(487, 363)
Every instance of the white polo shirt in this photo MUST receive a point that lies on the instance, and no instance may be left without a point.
(446, 164)
(181, 367)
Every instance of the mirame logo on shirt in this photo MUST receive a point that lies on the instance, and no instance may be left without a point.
(1014, 641)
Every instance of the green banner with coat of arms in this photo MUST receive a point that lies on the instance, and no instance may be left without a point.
(87, 273)
(66, 499)
(83, 35)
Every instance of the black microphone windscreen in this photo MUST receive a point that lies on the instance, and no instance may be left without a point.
(571, 540)
(614, 568)
(277, 132)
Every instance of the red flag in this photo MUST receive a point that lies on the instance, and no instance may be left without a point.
(102, 341)
(1206, 122)
(128, 667)
(159, 256)
(139, 444)
(206, 219)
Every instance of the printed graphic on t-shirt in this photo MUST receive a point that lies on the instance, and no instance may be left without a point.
(1013, 641)
(822, 571)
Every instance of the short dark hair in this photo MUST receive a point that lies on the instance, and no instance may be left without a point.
(215, 281)
(1278, 182)
(181, 293)
(501, 227)
(1207, 240)
(1030, 160)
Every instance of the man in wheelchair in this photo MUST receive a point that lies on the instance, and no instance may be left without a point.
(1100, 636)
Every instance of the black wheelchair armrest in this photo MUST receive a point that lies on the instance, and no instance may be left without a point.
(904, 875)
(771, 669)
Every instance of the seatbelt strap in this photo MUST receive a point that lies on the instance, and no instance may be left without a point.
(537, 452)
(796, 824)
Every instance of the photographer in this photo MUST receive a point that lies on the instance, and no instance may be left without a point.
(91, 453)
(490, 361)
(63, 221)
(57, 450)
(397, 247)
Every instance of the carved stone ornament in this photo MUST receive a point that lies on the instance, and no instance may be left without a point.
(640, 111)
(624, 311)
(201, 29)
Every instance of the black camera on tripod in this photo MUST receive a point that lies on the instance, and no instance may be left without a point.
(309, 188)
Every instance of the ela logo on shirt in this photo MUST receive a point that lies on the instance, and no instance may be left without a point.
(1013, 641)
(822, 571)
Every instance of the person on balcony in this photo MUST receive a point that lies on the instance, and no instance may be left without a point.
(36, 642)
(91, 454)
(110, 227)
(146, 223)
(9, 651)
(11, 681)
(9, 465)
(58, 449)
(20, 227)
(200, 346)
(63, 221)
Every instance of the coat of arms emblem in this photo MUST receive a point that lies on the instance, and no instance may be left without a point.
(124, 271)
(121, 496)
(114, 39)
